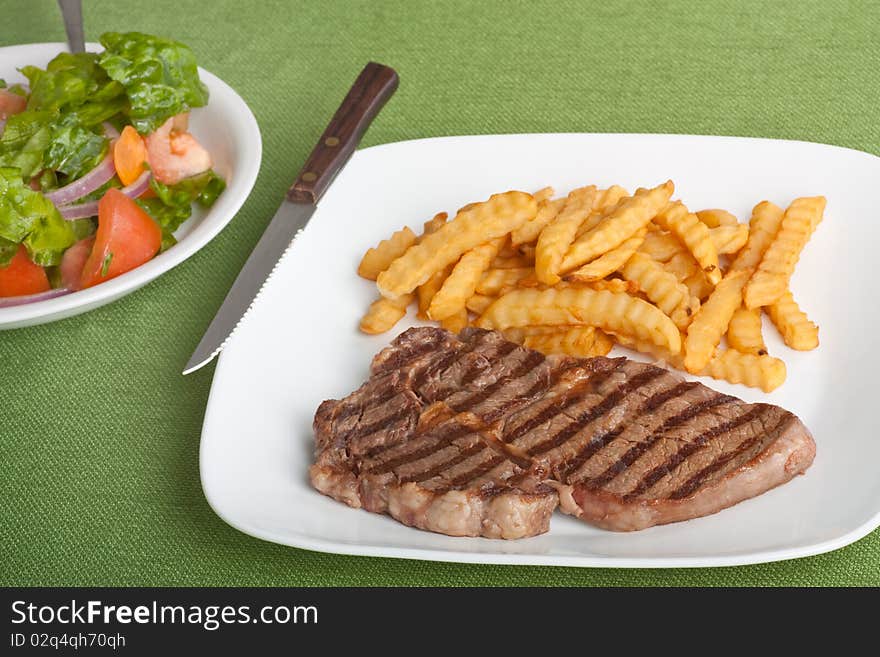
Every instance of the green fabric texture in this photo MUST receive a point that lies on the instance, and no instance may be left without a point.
(99, 432)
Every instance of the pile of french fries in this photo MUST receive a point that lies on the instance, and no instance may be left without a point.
(577, 274)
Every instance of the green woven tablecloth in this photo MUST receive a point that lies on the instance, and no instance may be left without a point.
(99, 432)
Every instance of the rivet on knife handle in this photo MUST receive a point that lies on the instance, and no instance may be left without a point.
(373, 87)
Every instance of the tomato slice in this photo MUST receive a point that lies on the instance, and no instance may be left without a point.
(11, 103)
(127, 237)
(73, 262)
(21, 276)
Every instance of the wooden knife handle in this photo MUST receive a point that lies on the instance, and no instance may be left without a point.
(372, 89)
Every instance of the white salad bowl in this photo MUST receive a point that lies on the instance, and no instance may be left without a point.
(226, 127)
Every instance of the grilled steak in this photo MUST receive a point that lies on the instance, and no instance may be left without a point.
(476, 436)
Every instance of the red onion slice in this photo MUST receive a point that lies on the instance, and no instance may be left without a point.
(8, 302)
(109, 131)
(85, 185)
(134, 190)
(81, 211)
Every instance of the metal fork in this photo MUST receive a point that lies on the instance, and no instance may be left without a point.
(71, 10)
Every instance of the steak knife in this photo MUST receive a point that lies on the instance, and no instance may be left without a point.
(372, 89)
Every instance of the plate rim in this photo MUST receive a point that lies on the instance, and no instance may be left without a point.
(204, 232)
(302, 541)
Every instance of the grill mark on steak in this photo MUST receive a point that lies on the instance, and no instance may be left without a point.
(439, 365)
(572, 397)
(504, 349)
(501, 350)
(531, 362)
(581, 459)
(688, 449)
(593, 413)
(447, 360)
(404, 355)
(467, 477)
(368, 430)
(447, 435)
(636, 451)
(350, 409)
(702, 476)
(461, 457)
(556, 371)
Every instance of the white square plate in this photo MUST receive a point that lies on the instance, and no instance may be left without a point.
(300, 344)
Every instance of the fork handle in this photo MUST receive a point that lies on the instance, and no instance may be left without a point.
(71, 12)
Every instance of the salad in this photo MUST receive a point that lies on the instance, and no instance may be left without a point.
(97, 167)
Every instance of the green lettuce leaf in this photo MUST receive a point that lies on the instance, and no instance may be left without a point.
(8, 249)
(25, 140)
(35, 140)
(75, 82)
(159, 75)
(27, 217)
(74, 149)
(172, 204)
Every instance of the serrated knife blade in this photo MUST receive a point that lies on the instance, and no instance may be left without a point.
(372, 89)
(276, 240)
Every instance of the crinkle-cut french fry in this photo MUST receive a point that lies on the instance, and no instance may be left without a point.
(662, 288)
(610, 262)
(729, 365)
(695, 236)
(484, 222)
(698, 285)
(616, 312)
(507, 251)
(433, 224)
(616, 285)
(682, 265)
(494, 281)
(711, 321)
(714, 218)
(544, 194)
(578, 341)
(688, 272)
(455, 322)
(529, 231)
(602, 344)
(660, 355)
(744, 332)
(764, 372)
(379, 258)
(763, 226)
(630, 215)
(610, 197)
(528, 251)
(429, 288)
(512, 262)
(461, 284)
(384, 313)
(729, 239)
(770, 281)
(607, 201)
(479, 302)
(662, 246)
(796, 329)
(520, 333)
(557, 236)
